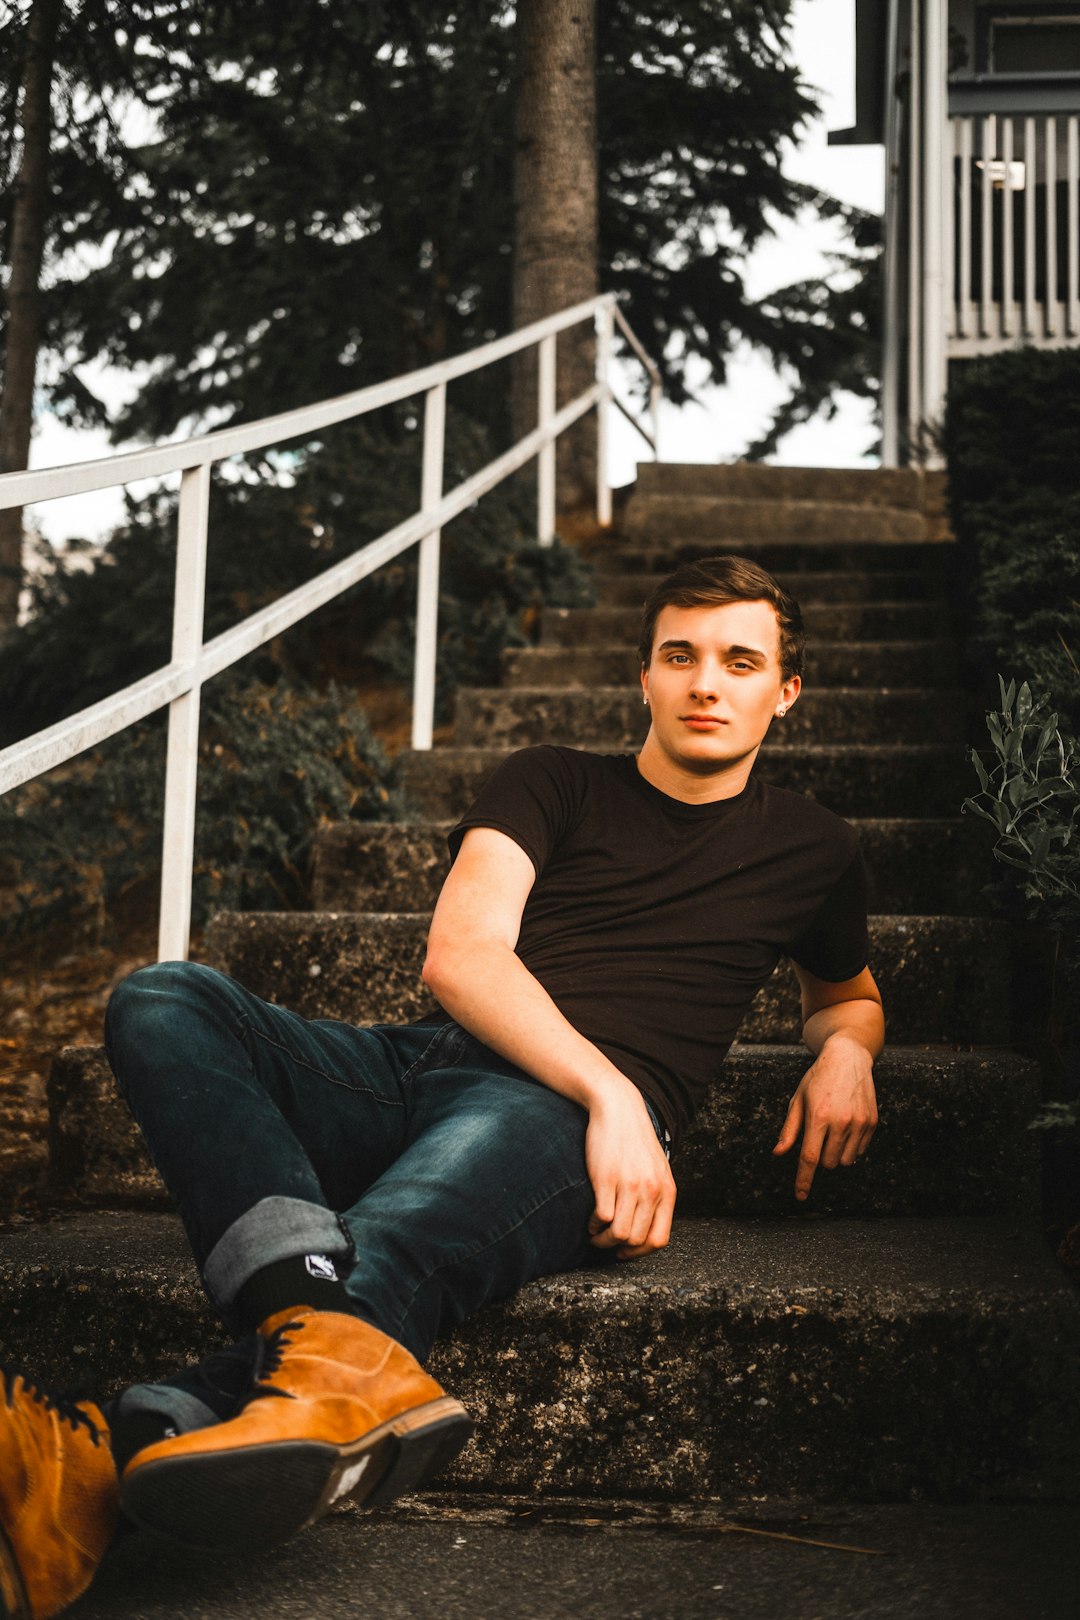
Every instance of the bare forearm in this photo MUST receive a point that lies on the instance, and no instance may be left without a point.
(490, 992)
(860, 1022)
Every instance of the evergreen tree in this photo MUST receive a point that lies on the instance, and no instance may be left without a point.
(328, 200)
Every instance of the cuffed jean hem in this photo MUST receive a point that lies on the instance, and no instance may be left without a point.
(273, 1229)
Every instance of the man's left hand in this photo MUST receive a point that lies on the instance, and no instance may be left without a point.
(835, 1107)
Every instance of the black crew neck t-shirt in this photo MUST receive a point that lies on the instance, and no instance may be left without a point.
(653, 923)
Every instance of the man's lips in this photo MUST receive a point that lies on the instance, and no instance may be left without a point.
(702, 722)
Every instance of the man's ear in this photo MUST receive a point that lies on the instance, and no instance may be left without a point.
(645, 682)
(790, 691)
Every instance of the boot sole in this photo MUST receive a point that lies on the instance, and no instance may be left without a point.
(255, 1496)
(14, 1602)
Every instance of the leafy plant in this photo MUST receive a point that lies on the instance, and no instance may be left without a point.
(1031, 797)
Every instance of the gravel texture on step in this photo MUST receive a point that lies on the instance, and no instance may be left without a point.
(925, 867)
(617, 588)
(379, 865)
(929, 556)
(877, 1360)
(864, 486)
(952, 1138)
(859, 780)
(659, 516)
(841, 663)
(942, 978)
(844, 621)
(616, 717)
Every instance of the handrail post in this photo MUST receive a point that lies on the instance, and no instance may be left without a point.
(545, 461)
(182, 762)
(605, 331)
(427, 584)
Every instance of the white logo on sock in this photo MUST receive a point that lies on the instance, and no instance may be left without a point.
(350, 1478)
(321, 1266)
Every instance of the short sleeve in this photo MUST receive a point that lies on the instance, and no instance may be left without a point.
(533, 797)
(836, 945)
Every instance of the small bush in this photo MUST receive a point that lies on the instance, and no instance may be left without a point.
(275, 763)
(1012, 430)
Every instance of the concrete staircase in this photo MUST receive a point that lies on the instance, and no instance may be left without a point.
(906, 1335)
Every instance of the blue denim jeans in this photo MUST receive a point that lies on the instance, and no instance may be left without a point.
(440, 1173)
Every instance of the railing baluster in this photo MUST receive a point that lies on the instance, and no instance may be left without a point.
(964, 311)
(182, 763)
(915, 237)
(1072, 169)
(1008, 312)
(988, 144)
(545, 468)
(605, 331)
(1051, 323)
(427, 584)
(1031, 162)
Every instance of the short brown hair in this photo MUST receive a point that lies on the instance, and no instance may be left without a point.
(714, 581)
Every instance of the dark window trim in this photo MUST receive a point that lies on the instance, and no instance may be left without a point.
(985, 15)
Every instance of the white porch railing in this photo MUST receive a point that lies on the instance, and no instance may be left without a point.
(178, 684)
(1016, 232)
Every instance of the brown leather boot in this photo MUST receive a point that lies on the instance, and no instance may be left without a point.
(338, 1409)
(58, 1498)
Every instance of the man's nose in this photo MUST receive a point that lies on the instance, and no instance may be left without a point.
(706, 685)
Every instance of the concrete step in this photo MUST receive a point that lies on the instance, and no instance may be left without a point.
(730, 520)
(952, 1137)
(847, 1359)
(834, 663)
(748, 480)
(857, 780)
(923, 867)
(941, 978)
(847, 621)
(616, 717)
(473, 1556)
(619, 589)
(659, 556)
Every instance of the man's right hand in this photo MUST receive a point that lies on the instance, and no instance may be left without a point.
(631, 1178)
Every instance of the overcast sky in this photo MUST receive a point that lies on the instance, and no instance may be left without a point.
(823, 38)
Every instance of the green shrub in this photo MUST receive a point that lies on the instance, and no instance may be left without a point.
(1012, 439)
(1031, 797)
(1012, 442)
(275, 763)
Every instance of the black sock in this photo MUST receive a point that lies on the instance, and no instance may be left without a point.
(300, 1279)
(130, 1434)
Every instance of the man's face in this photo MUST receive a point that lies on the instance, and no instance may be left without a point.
(714, 683)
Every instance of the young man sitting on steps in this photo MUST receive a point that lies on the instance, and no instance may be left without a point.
(351, 1193)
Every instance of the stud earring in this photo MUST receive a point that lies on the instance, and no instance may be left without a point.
(645, 701)
(780, 713)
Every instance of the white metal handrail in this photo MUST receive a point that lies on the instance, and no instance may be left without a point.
(178, 684)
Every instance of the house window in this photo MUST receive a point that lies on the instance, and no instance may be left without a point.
(1045, 39)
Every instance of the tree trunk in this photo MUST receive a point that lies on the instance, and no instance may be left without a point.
(31, 205)
(555, 196)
